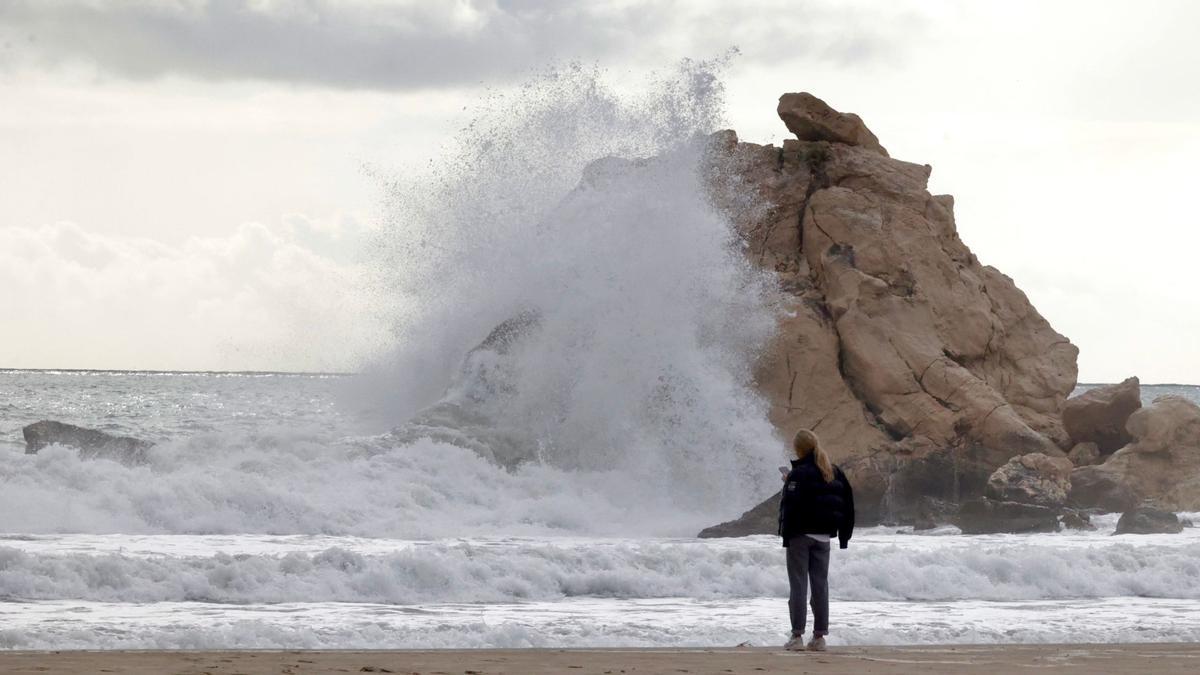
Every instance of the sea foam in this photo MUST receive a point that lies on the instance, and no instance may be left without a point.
(882, 568)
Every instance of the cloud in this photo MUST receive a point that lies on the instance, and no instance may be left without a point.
(261, 298)
(412, 45)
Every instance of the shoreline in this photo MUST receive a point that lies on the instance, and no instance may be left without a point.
(1098, 659)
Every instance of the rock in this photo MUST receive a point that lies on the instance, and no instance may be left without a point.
(762, 519)
(811, 119)
(1099, 415)
(91, 443)
(1147, 520)
(1032, 479)
(987, 516)
(1084, 454)
(1169, 423)
(1076, 520)
(922, 370)
(1094, 488)
(903, 489)
(1162, 463)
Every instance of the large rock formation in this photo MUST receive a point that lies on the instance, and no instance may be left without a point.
(1161, 464)
(1099, 415)
(91, 443)
(922, 369)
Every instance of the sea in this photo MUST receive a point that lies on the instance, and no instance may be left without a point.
(275, 513)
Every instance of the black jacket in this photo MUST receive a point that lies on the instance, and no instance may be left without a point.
(811, 506)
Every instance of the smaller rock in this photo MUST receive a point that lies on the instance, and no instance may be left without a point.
(812, 119)
(91, 443)
(1099, 415)
(1032, 479)
(1077, 520)
(1084, 454)
(1148, 520)
(987, 516)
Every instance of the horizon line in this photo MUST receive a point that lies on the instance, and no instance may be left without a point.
(151, 371)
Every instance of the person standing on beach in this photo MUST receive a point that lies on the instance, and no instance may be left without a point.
(817, 505)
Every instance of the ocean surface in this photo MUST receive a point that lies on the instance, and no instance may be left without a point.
(276, 511)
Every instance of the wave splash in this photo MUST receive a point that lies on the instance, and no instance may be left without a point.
(636, 317)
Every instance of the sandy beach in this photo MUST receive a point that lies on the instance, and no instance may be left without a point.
(990, 659)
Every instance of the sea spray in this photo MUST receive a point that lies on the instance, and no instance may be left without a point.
(588, 210)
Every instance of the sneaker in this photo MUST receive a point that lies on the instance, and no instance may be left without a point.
(817, 644)
(796, 644)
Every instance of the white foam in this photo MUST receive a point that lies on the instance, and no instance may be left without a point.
(877, 568)
(582, 623)
(303, 483)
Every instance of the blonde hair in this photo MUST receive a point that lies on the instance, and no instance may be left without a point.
(806, 443)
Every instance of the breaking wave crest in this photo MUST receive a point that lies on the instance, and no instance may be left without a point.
(505, 571)
(630, 318)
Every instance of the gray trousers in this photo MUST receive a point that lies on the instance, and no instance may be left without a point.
(808, 560)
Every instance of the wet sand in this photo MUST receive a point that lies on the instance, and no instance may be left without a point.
(989, 659)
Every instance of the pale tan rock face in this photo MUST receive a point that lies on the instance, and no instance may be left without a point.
(917, 365)
(1162, 464)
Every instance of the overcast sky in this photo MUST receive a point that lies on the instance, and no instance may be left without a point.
(186, 184)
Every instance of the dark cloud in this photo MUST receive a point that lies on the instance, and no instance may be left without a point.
(401, 45)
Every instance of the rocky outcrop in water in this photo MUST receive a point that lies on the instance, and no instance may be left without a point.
(91, 443)
(1147, 520)
(1027, 494)
(922, 369)
(762, 519)
(1160, 465)
(988, 516)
